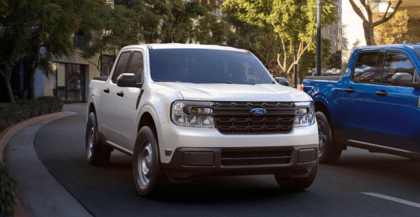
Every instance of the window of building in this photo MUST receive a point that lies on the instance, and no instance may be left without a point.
(80, 40)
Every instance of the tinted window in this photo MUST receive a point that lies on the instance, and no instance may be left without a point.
(136, 65)
(417, 51)
(121, 65)
(207, 66)
(396, 62)
(365, 69)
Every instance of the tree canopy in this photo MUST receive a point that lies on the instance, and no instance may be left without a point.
(291, 25)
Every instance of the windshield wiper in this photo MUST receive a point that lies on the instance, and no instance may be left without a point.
(162, 80)
(226, 82)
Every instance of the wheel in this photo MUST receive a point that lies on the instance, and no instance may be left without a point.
(149, 176)
(296, 184)
(328, 151)
(95, 154)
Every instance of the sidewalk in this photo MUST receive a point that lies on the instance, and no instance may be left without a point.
(37, 190)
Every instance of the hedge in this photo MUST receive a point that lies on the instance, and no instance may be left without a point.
(7, 197)
(23, 109)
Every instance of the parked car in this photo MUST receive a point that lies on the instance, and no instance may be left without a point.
(184, 111)
(374, 105)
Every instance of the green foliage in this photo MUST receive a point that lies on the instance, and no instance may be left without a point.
(107, 29)
(334, 61)
(286, 25)
(7, 185)
(179, 21)
(289, 17)
(325, 52)
(210, 30)
(24, 109)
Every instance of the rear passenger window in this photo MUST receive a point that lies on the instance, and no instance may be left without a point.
(396, 62)
(121, 65)
(136, 66)
(365, 69)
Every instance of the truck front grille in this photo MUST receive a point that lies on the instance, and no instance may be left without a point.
(236, 117)
(243, 158)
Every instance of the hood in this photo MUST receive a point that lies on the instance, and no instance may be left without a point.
(238, 92)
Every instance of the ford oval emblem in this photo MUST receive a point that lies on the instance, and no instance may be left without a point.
(258, 111)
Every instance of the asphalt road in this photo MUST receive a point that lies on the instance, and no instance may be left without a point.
(360, 184)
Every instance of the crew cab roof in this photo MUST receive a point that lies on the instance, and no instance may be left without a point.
(185, 46)
(388, 46)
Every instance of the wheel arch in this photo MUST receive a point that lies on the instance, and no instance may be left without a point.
(321, 105)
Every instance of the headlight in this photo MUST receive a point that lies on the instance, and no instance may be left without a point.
(192, 114)
(305, 114)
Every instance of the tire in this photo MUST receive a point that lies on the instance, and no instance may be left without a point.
(149, 176)
(95, 154)
(296, 184)
(328, 151)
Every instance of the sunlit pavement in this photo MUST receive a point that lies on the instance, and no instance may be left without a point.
(360, 184)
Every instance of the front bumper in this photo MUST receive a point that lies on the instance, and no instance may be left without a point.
(171, 137)
(292, 161)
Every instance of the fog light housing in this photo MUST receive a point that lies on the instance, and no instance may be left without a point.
(306, 155)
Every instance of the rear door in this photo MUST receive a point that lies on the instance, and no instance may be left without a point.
(399, 106)
(358, 110)
(110, 103)
(128, 104)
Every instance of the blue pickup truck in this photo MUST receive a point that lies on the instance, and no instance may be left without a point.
(374, 104)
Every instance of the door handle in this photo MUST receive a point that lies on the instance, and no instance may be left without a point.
(349, 90)
(121, 93)
(106, 90)
(381, 93)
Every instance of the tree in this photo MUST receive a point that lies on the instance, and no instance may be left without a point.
(368, 24)
(107, 29)
(325, 52)
(292, 23)
(398, 29)
(178, 23)
(50, 34)
(14, 16)
(210, 30)
(334, 61)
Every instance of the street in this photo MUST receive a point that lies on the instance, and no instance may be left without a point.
(360, 184)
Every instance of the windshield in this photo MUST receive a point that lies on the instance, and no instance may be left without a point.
(207, 66)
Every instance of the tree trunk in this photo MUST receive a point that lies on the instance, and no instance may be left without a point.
(33, 95)
(369, 34)
(7, 75)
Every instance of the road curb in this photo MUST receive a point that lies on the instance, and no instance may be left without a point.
(9, 132)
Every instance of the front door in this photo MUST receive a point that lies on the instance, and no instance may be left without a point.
(399, 108)
(126, 114)
(110, 101)
(358, 110)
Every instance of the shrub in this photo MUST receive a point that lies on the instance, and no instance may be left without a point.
(24, 109)
(7, 197)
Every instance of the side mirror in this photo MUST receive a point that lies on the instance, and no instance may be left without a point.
(127, 80)
(282, 81)
(404, 79)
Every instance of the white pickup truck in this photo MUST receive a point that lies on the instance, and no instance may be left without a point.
(187, 110)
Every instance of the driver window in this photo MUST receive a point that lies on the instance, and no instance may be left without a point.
(121, 66)
(396, 62)
(136, 66)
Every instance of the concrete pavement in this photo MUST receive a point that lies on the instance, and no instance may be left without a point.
(39, 193)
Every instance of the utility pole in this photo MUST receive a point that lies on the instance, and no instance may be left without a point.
(296, 68)
(318, 35)
(318, 38)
